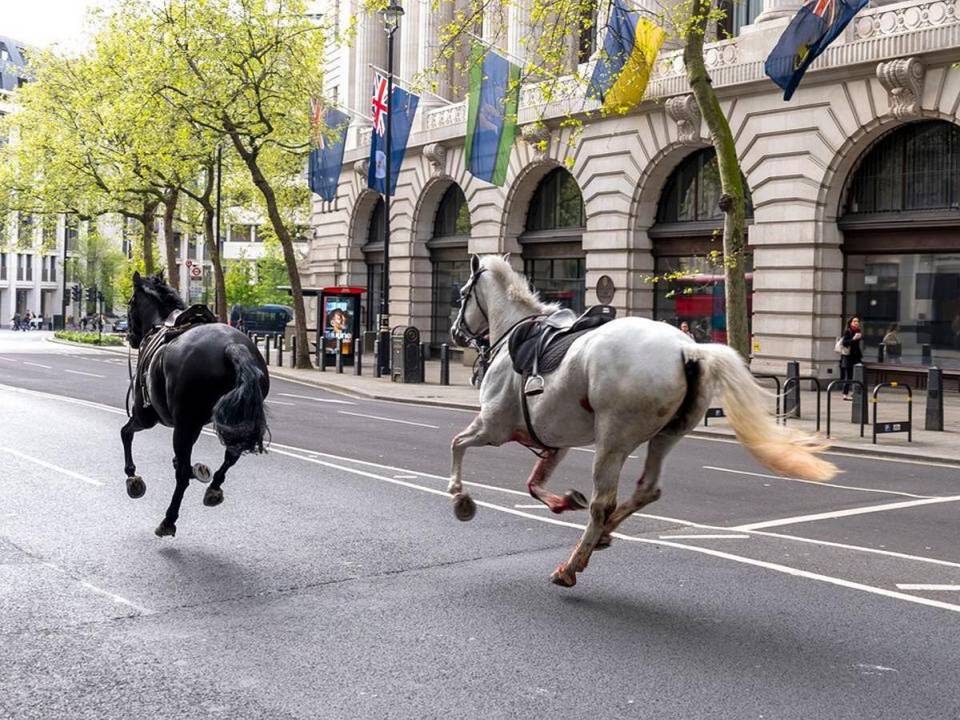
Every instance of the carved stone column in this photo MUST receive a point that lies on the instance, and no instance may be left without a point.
(370, 49)
(430, 25)
(408, 40)
(773, 9)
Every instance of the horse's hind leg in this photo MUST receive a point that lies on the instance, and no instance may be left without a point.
(606, 474)
(184, 438)
(536, 484)
(214, 495)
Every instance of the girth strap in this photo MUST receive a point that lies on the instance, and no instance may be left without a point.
(544, 449)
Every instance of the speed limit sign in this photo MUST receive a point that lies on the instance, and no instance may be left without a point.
(196, 272)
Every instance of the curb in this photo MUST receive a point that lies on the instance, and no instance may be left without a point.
(116, 349)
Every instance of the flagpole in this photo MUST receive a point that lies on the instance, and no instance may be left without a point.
(402, 82)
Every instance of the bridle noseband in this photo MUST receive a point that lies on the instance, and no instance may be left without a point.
(469, 333)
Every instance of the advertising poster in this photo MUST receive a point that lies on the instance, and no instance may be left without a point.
(338, 324)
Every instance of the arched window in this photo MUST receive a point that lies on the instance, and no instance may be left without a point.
(553, 257)
(373, 255)
(450, 261)
(914, 168)
(692, 193)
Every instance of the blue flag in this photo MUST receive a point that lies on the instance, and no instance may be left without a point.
(326, 158)
(491, 115)
(402, 107)
(813, 28)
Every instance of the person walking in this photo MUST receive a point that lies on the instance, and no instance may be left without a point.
(851, 353)
(685, 329)
(893, 344)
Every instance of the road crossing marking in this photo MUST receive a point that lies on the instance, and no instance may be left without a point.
(813, 482)
(51, 466)
(845, 513)
(27, 362)
(922, 586)
(316, 399)
(81, 372)
(386, 419)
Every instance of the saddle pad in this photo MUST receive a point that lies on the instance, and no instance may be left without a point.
(557, 350)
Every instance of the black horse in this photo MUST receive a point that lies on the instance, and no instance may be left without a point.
(185, 378)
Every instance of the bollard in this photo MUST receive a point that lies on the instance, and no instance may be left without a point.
(881, 353)
(280, 343)
(934, 419)
(266, 347)
(858, 412)
(377, 369)
(357, 358)
(424, 354)
(339, 356)
(927, 355)
(444, 364)
(293, 351)
(791, 398)
(321, 358)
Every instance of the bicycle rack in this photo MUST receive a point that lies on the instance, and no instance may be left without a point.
(892, 427)
(812, 378)
(830, 389)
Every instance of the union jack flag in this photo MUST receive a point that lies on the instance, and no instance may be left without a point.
(316, 123)
(825, 9)
(380, 104)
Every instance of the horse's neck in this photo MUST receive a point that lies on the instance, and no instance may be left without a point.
(505, 312)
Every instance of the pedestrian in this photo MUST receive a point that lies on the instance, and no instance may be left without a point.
(850, 352)
(83, 323)
(15, 322)
(685, 329)
(893, 344)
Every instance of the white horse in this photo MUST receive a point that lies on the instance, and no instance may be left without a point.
(628, 382)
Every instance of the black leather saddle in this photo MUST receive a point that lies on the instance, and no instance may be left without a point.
(538, 346)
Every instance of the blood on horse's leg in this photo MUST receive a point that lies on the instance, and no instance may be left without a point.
(537, 481)
(214, 494)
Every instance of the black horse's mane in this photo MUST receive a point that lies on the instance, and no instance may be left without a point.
(167, 298)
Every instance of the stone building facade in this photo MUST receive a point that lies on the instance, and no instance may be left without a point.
(854, 184)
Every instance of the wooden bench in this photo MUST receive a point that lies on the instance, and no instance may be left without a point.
(913, 375)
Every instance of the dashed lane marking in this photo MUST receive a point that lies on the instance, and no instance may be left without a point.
(39, 365)
(100, 591)
(694, 536)
(51, 466)
(931, 587)
(8, 359)
(81, 372)
(387, 419)
(845, 513)
(812, 482)
(316, 399)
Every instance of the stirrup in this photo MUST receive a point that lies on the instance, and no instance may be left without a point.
(533, 386)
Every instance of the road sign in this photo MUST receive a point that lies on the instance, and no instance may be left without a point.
(196, 272)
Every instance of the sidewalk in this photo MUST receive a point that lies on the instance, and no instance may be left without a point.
(928, 446)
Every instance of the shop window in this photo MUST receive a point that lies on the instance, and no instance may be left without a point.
(558, 280)
(448, 277)
(692, 194)
(450, 261)
(556, 203)
(914, 168)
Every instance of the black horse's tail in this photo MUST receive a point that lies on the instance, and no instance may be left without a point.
(239, 417)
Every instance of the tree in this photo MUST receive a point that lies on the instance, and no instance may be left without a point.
(244, 70)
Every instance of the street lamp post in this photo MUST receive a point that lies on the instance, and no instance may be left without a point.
(391, 20)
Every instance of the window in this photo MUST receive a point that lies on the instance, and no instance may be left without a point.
(914, 168)
(3, 266)
(448, 277)
(556, 203)
(587, 32)
(4, 52)
(559, 280)
(49, 230)
(692, 194)
(259, 232)
(25, 229)
(240, 233)
(453, 216)
(373, 254)
(48, 268)
(737, 13)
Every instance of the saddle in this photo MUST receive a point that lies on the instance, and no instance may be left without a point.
(175, 325)
(538, 346)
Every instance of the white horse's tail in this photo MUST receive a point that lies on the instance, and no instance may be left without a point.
(786, 452)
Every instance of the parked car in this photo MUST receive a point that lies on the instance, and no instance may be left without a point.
(261, 319)
(120, 325)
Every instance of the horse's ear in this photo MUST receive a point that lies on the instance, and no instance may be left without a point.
(159, 276)
(506, 257)
(137, 280)
(474, 264)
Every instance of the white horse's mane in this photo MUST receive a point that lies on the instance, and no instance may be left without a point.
(516, 285)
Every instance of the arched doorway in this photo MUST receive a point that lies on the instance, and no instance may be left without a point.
(553, 257)
(901, 246)
(688, 249)
(373, 257)
(449, 261)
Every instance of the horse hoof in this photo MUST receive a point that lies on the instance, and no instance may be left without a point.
(136, 487)
(213, 497)
(464, 507)
(575, 500)
(163, 530)
(562, 577)
(604, 542)
(201, 473)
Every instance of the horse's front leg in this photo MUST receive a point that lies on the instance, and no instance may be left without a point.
(475, 435)
(606, 475)
(184, 437)
(136, 487)
(536, 484)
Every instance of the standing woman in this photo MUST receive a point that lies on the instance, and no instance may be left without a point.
(853, 355)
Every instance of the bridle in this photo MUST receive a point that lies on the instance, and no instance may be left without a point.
(474, 336)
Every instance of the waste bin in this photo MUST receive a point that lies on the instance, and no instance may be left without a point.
(405, 355)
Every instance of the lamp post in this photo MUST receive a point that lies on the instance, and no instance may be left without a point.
(391, 21)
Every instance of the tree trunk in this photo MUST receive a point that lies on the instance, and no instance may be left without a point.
(149, 236)
(170, 198)
(732, 202)
(213, 245)
(302, 358)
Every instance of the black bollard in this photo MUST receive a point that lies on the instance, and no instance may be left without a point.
(266, 346)
(321, 358)
(293, 351)
(280, 340)
(424, 354)
(934, 419)
(376, 359)
(859, 409)
(926, 354)
(357, 358)
(256, 341)
(339, 356)
(444, 364)
(881, 353)
(791, 401)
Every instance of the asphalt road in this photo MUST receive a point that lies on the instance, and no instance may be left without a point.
(334, 581)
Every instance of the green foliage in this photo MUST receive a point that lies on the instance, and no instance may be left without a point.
(252, 283)
(89, 338)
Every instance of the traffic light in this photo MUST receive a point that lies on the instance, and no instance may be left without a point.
(76, 292)
(92, 294)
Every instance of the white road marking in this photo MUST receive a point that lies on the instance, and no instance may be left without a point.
(8, 359)
(80, 372)
(280, 402)
(776, 567)
(591, 450)
(922, 586)
(386, 419)
(405, 477)
(845, 513)
(27, 362)
(100, 591)
(705, 537)
(812, 482)
(535, 506)
(316, 399)
(51, 466)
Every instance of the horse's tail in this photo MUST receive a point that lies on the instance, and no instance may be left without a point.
(239, 416)
(786, 452)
